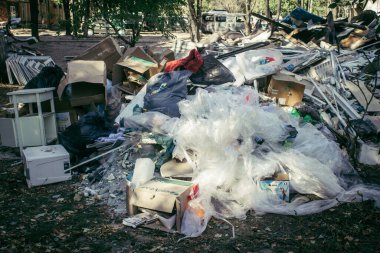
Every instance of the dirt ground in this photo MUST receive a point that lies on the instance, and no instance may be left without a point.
(48, 219)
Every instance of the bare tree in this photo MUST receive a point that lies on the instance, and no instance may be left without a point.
(86, 17)
(248, 10)
(66, 10)
(34, 17)
(267, 9)
(278, 9)
(194, 19)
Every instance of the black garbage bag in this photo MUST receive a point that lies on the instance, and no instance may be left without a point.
(212, 72)
(165, 90)
(89, 128)
(49, 77)
(365, 129)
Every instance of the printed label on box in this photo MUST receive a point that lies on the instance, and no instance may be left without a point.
(63, 121)
(279, 189)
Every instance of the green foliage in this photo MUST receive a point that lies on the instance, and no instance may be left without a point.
(137, 15)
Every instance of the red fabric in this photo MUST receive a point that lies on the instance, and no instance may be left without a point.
(192, 62)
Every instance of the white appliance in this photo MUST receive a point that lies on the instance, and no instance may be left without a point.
(46, 165)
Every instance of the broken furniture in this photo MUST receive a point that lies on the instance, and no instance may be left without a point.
(33, 129)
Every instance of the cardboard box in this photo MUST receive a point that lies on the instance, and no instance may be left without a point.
(287, 89)
(107, 50)
(174, 168)
(88, 81)
(135, 60)
(278, 186)
(163, 195)
(65, 119)
(161, 53)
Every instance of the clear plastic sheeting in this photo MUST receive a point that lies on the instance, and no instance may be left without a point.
(216, 135)
(149, 121)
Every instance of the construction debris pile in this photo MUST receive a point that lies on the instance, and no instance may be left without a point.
(273, 124)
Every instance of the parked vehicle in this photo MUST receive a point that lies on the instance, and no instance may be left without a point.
(222, 21)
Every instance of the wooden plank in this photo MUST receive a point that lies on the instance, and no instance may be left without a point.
(375, 103)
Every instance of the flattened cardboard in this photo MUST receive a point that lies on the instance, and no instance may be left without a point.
(163, 195)
(363, 98)
(287, 89)
(106, 50)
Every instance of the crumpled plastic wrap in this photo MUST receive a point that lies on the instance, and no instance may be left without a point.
(215, 134)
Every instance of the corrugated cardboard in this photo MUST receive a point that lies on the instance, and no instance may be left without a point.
(160, 53)
(174, 168)
(287, 89)
(88, 79)
(135, 60)
(164, 195)
(107, 50)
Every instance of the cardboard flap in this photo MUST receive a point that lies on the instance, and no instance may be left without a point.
(87, 71)
(175, 168)
(137, 52)
(137, 65)
(84, 72)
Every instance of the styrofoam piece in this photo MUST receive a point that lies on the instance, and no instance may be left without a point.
(369, 154)
(143, 172)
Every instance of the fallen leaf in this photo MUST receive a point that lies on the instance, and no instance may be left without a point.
(39, 215)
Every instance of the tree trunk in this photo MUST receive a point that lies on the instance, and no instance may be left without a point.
(267, 8)
(86, 17)
(194, 23)
(199, 17)
(311, 6)
(66, 10)
(248, 10)
(278, 9)
(34, 17)
(76, 18)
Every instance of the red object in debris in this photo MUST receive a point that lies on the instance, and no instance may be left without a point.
(269, 59)
(194, 192)
(192, 62)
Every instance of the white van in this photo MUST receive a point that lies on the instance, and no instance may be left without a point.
(222, 21)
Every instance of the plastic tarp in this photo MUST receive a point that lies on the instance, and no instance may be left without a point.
(214, 134)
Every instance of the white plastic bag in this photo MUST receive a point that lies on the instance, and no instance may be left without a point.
(259, 63)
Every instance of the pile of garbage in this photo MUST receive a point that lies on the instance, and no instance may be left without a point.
(252, 129)
(172, 138)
